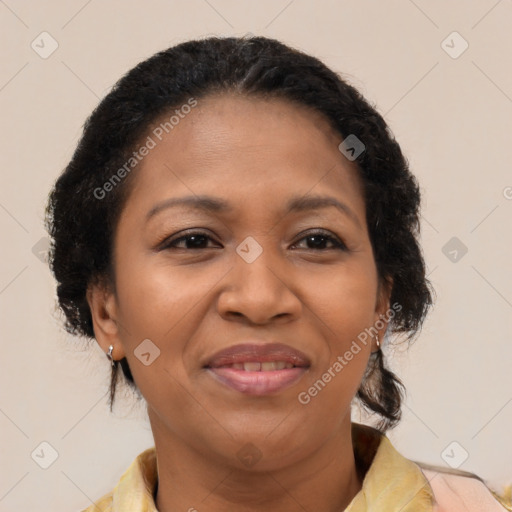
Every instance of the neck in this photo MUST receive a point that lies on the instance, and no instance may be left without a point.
(190, 481)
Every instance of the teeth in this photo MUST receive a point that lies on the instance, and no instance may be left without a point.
(273, 365)
(252, 367)
(261, 367)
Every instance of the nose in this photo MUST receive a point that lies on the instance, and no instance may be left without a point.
(259, 292)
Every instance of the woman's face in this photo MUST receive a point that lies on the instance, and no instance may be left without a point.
(194, 278)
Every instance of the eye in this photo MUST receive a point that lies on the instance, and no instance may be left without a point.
(199, 240)
(318, 239)
(192, 240)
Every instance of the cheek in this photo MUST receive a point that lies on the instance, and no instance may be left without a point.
(154, 302)
(345, 300)
(345, 313)
(155, 297)
(165, 304)
(345, 309)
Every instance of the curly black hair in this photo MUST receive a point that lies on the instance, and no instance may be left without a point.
(81, 222)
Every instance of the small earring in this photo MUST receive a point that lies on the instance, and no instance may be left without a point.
(377, 341)
(109, 355)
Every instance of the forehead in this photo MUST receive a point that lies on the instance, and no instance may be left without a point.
(237, 147)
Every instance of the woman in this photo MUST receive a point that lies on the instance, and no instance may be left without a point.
(238, 231)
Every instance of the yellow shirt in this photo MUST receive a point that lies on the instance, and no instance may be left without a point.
(391, 483)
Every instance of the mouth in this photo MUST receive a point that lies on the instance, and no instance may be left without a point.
(259, 366)
(258, 369)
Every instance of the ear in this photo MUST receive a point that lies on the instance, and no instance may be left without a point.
(104, 312)
(382, 307)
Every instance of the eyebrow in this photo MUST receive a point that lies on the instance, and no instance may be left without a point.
(305, 203)
(204, 203)
(212, 204)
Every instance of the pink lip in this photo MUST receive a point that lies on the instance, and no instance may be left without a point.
(258, 382)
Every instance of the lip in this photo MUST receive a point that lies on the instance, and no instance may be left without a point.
(257, 382)
(258, 352)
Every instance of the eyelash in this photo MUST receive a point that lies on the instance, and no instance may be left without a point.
(169, 243)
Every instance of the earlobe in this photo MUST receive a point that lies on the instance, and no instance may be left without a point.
(103, 307)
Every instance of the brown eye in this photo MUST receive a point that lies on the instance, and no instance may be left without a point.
(193, 240)
(318, 239)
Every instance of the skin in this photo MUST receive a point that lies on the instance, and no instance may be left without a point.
(191, 302)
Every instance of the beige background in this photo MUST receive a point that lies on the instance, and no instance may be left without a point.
(453, 118)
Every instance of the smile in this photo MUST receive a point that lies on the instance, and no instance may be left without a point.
(258, 367)
(266, 366)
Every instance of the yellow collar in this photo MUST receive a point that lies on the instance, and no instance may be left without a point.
(392, 482)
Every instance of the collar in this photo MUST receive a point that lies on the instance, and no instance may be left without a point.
(391, 482)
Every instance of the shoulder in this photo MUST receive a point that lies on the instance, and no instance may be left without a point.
(135, 489)
(456, 490)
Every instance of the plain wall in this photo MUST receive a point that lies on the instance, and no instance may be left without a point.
(453, 119)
